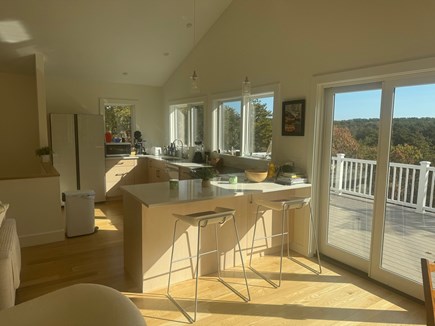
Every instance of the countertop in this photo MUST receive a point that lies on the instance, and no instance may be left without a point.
(159, 194)
(172, 160)
(31, 171)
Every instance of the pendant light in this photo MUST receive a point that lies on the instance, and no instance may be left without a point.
(194, 86)
(246, 87)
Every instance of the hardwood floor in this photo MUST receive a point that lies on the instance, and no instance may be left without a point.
(336, 297)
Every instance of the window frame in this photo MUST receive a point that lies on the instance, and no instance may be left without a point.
(120, 102)
(188, 103)
(219, 99)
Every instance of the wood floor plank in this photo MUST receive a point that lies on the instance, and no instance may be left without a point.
(336, 297)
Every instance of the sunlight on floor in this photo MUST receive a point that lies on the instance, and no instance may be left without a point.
(103, 222)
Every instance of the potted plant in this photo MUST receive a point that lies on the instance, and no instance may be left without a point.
(204, 173)
(44, 153)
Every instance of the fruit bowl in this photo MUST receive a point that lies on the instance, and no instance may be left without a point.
(256, 175)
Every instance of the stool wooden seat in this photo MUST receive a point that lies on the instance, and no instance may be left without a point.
(200, 220)
(282, 205)
(427, 268)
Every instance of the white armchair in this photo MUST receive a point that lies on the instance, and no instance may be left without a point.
(10, 263)
(80, 304)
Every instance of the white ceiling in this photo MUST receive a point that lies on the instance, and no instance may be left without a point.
(124, 41)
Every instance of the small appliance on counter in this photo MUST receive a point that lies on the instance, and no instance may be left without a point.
(156, 150)
(138, 142)
(197, 156)
(117, 149)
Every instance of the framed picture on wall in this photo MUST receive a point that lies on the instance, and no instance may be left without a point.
(293, 118)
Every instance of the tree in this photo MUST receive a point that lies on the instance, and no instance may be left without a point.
(118, 120)
(263, 126)
(232, 128)
(407, 154)
(343, 142)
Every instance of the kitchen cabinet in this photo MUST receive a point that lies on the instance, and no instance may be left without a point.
(122, 172)
(141, 171)
(185, 173)
(157, 171)
(119, 172)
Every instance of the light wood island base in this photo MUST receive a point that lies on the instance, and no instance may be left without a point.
(149, 222)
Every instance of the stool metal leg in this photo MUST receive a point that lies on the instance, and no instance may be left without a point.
(315, 239)
(253, 236)
(197, 270)
(283, 215)
(313, 227)
(217, 251)
(248, 298)
(266, 237)
(198, 255)
(169, 281)
(172, 257)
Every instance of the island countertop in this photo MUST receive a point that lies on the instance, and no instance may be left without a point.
(159, 194)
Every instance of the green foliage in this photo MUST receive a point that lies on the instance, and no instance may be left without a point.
(232, 125)
(408, 154)
(205, 173)
(343, 142)
(263, 126)
(261, 134)
(118, 120)
(412, 139)
(43, 151)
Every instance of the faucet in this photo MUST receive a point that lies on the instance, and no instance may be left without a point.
(180, 141)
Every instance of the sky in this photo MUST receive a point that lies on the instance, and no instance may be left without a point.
(237, 104)
(410, 101)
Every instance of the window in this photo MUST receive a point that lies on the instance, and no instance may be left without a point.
(244, 125)
(118, 119)
(230, 122)
(187, 123)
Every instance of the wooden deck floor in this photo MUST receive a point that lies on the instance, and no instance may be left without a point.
(409, 235)
(336, 297)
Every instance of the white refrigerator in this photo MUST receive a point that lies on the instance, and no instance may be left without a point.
(77, 141)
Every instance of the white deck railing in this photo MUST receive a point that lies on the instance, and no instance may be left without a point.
(409, 185)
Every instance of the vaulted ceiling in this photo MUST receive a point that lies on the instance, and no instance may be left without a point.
(123, 41)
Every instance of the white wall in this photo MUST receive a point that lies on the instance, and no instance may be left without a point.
(80, 96)
(19, 132)
(287, 42)
(34, 203)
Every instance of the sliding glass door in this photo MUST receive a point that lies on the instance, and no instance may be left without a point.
(378, 153)
(405, 230)
(351, 139)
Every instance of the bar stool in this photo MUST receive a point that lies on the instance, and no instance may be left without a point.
(201, 219)
(283, 205)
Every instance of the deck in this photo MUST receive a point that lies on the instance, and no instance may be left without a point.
(408, 237)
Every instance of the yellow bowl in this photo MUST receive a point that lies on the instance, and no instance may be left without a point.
(256, 175)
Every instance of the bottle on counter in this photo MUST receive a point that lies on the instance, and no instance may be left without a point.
(108, 136)
(271, 170)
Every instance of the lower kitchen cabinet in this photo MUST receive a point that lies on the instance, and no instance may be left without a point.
(157, 171)
(185, 173)
(141, 171)
(119, 172)
(122, 172)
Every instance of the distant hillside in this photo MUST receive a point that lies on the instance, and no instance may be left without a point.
(413, 139)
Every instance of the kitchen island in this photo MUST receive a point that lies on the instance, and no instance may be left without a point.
(149, 222)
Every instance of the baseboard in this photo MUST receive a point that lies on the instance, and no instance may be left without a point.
(29, 240)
